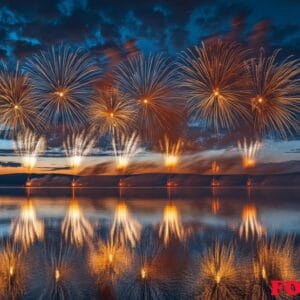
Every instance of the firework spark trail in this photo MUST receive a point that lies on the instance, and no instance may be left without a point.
(171, 226)
(216, 83)
(112, 112)
(27, 228)
(220, 276)
(172, 152)
(77, 146)
(275, 94)
(75, 228)
(249, 152)
(28, 146)
(125, 148)
(62, 78)
(109, 261)
(150, 83)
(250, 226)
(12, 272)
(125, 229)
(19, 108)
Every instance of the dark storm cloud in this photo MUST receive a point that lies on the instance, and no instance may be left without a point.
(23, 49)
(163, 25)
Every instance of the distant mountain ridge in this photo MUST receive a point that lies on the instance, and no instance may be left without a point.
(151, 180)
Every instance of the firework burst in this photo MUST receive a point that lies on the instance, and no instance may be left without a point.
(249, 152)
(125, 229)
(19, 108)
(220, 277)
(125, 148)
(172, 152)
(171, 226)
(27, 228)
(216, 83)
(149, 82)
(109, 262)
(276, 92)
(62, 79)
(76, 228)
(112, 112)
(250, 226)
(28, 146)
(77, 146)
(12, 273)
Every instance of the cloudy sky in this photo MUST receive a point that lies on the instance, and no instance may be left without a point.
(169, 26)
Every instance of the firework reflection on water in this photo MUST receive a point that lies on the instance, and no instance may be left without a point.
(250, 227)
(125, 229)
(109, 262)
(220, 275)
(27, 228)
(57, 272)
(13, 272)
(171, 226)
(75, 228)
(275, 260)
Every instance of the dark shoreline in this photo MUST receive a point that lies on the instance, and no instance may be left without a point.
(151, 180)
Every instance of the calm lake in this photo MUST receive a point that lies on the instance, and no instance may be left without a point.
(135, 243)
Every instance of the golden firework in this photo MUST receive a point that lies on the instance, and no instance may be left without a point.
(275, 94)
(172, 152)
(28, 146)
(62, 79)
(19, 107)
(77, 146)
(111, 112)
(216, 83)
(249, 152)
(150, 82)
(125, 148)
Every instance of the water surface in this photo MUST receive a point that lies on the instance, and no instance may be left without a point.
(135, 243)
